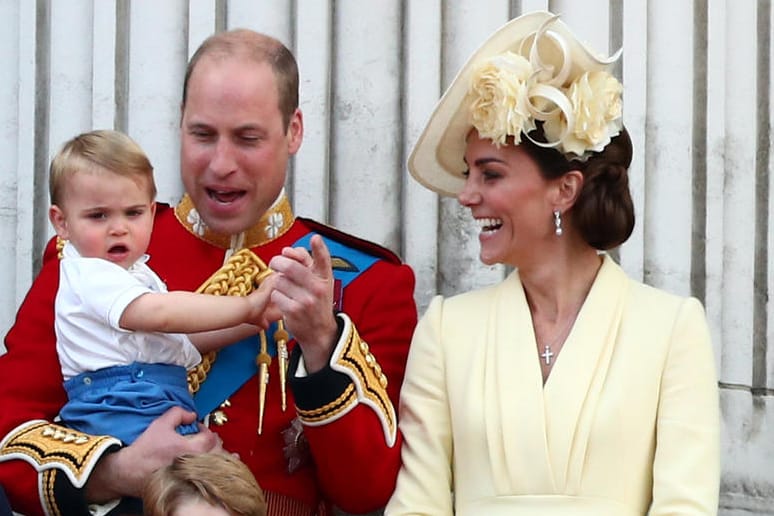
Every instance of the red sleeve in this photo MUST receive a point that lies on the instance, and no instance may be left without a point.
(30, 389)
(357, 467)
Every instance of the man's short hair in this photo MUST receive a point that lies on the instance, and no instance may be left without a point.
(259, 48)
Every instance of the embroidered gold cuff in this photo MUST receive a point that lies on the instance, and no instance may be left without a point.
(332, 410)
(48, 481)
(49, 446)
(353, 358)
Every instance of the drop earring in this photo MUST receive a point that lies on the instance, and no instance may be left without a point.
(558, 222)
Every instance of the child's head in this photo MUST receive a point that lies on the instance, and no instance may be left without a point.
(102, 196)
(210, 483)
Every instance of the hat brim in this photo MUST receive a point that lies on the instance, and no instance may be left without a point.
(437, 159)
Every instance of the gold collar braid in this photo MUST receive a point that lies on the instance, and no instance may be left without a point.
(273, 224)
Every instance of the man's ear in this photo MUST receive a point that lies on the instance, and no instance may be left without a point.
(295, 134)
(59, 221)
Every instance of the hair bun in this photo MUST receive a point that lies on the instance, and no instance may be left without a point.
(604, 210)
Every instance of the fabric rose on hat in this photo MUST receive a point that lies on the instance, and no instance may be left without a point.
(499, 91)
(596, 113)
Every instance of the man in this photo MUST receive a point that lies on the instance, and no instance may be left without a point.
(348, 307)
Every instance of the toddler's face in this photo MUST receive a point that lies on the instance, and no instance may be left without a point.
(105, 215)
(198, 507)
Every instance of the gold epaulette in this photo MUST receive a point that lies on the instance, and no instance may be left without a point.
(60, 243)
(48, 446)
(353, 357)
(238, 276)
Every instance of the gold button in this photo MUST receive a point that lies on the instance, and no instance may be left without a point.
(219, 418)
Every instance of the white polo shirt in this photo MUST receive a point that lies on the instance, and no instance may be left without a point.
(92, 295)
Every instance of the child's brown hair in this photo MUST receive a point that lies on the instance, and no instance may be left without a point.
(96, 151)
(217, 478)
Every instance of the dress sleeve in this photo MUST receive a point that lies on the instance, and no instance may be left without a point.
(425, 479)
(348, 408)
(686, 469)
(43, 466)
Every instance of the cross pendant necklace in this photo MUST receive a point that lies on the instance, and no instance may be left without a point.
(558, 339)
(547, 354)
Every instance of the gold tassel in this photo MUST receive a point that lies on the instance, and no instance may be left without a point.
(281, 338)
(263, 361)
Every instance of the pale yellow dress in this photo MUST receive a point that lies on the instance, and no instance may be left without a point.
(627, 423)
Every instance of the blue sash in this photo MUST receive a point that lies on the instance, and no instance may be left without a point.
(235, 364)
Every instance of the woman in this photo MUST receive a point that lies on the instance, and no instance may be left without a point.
(568, 388)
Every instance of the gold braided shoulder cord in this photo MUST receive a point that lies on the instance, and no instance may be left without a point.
(237, 277)
(60, 243)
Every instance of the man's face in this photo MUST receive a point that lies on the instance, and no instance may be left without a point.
(234, 149)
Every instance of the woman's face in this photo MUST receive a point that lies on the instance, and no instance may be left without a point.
(509, 200)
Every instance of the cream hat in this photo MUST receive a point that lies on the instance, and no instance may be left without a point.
(531, 69)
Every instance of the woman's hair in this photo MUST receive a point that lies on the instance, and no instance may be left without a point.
(258, 48)
(95, 152)
(603, 213)
(219, 479)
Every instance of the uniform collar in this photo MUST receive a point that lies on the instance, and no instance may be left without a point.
(274, 223)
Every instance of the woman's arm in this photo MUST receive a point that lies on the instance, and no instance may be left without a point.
(686, 468)
(425, 478)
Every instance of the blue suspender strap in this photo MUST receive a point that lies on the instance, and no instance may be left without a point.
(235, 364)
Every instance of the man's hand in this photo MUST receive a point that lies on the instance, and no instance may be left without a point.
(124, 472)
(303, 293)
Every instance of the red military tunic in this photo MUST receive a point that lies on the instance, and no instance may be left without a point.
(348, 414)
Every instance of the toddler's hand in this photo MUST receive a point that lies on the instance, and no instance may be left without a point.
(263, 311)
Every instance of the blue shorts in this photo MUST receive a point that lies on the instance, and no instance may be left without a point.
(123, 400)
